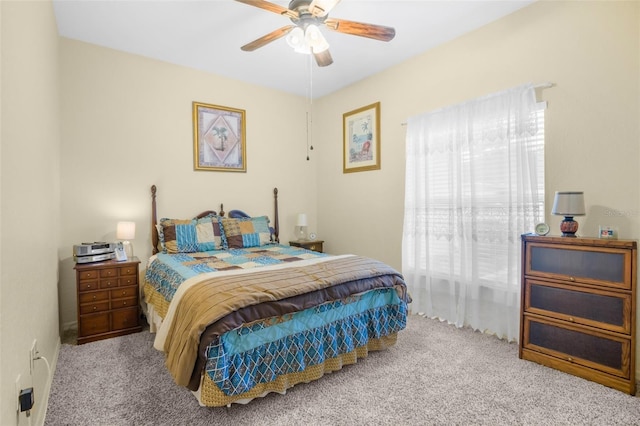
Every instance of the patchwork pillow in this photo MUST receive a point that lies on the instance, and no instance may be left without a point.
(191, 235)
(246, 232)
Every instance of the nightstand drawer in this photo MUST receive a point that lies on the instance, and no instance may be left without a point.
(109, 283)
(88, 285)
(93, 324)
(107, 273)
(94, 308)
(598, 308)
(124, 292)
(95, 296)
(128, 270)
(128, 281)
(124, 318)
(124, 303)
(89, 275)
(314, 245)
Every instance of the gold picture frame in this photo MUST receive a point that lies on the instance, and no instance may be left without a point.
(219, 138)
(361, 139)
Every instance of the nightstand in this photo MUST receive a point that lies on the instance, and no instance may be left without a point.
(107, 299)
(315, 245)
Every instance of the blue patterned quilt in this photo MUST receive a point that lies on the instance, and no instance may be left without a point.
(168, 271)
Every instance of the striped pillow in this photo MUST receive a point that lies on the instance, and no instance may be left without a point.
(246, 232)
(190, 235)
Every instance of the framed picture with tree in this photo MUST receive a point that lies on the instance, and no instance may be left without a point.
(361, 139)
(219, 138)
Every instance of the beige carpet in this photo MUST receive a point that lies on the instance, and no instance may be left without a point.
(435, 375)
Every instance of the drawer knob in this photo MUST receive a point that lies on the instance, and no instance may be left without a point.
(94, 297)
(571, 319)
(570, 359)
(95, 307)
(572, 279)
(124, 303)
(88, 285)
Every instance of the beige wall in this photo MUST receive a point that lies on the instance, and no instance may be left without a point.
(127, 124)
(30, 200)
(590, 50)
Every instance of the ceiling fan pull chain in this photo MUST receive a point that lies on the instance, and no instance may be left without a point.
(310, 112)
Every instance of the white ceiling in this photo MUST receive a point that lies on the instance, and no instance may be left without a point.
(207, 35)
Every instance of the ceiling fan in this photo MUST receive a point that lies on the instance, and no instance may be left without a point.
(304, 36)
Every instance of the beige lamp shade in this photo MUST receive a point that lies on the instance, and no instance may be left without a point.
(126, 230)
(568, 203)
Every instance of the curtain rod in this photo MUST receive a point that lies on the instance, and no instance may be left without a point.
(545, 85)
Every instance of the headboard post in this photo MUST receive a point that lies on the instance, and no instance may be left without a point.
(276, 222)
(154, 221)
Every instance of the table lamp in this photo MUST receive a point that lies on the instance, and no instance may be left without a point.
(301, 226)
(568, 204)
(126, 231)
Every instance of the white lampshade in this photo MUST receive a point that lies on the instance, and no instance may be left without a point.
(568, 203)
(126, 230)
(315, 39)
(302, 219)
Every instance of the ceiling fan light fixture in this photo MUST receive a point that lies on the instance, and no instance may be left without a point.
(315, 40)
(296, 40)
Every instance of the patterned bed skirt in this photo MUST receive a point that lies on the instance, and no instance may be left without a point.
(211, 396)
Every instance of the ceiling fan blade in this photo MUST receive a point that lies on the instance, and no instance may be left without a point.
(271, 7)
(323, 58)
(376, 32)
(322, 7)
(268, 38)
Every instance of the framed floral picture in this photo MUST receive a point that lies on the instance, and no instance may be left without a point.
(361, 139)
(219, 138)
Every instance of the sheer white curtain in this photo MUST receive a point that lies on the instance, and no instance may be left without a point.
(474, 183)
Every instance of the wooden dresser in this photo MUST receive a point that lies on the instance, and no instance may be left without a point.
(578, 307)
(107, 299)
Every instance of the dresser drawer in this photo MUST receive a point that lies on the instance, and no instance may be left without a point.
(578, 345)
(93, 324)
(128, 281)
(124, 292)
(603, 309)
(109, 283)
(88, 285)
(94, 296)
(91, 308)
(128, 270)
(89, 275)
(124, 318)
(610, 267)
(108, 273)
(124, 303)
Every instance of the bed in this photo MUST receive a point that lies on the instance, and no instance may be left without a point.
(239, 315)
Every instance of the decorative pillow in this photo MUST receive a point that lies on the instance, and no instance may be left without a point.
(246, 232)
(191, 235)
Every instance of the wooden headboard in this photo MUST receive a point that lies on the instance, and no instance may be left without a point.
(237, 213)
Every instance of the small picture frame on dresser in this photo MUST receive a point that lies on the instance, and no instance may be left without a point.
(608, 232)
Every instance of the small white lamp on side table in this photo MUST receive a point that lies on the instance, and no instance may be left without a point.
(126, 231)
(301, 227)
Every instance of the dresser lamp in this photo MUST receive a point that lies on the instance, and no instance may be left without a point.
(568, 204)
(126, 231)
(301, 227)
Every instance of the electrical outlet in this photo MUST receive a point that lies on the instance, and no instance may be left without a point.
(18, 389)
(33, 354)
